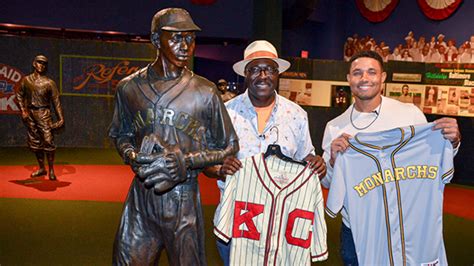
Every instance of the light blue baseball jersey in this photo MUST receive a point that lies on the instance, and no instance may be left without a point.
(391, 184)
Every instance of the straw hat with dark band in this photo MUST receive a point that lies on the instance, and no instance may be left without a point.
(260, 49)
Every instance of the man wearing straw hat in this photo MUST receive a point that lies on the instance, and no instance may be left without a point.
(262, 117)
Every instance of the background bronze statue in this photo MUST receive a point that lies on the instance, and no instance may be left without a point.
(168, 124)
(36, 95)
(222, 86)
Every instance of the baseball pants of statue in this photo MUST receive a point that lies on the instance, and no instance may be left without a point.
(40, 136)
(150, 223)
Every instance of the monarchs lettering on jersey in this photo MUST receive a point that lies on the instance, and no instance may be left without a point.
(399, 173)
(166, 116)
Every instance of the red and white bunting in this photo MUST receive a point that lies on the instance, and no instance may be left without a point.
(438, 9)
(376, 10)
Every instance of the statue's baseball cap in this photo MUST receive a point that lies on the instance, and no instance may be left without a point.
(173, 19)
(41, 58)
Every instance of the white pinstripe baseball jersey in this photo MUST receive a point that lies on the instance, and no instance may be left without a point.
(391, 184)
(274, 213)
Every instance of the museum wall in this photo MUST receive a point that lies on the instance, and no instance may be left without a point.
(85, 72)
(324, 32)
(229, 18)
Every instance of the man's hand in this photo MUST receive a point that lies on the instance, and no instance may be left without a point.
(449, 129)
(230, 166)
(317, 163)
(339, 144)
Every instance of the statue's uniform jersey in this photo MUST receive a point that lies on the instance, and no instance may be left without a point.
(36, 94)
(186, 112)
(391, 183)
(273, 211)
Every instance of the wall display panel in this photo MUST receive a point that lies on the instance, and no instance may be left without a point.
(435, 99)
(298, 91)
(406, 92)
(309, 92)
(454, 101)
(341, 96)
(452, 74)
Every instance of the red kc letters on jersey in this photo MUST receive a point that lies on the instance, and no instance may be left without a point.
(251, 210)
(244, 212)
(297, 213)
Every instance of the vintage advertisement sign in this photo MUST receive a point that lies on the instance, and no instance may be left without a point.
(10, 78)
(406, 77)
(450, 74)
(95, 76)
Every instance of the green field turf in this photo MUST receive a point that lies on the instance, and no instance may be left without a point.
(46, 232)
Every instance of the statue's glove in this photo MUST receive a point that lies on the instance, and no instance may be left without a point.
(158, 165)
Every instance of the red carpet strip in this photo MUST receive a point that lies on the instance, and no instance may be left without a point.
(110, 183)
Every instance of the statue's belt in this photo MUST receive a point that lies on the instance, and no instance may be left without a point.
(38, 107)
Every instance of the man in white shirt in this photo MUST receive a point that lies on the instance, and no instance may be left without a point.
(424, 56)
(437, 56)
(464, 54)
(441, 41)
(371, 112)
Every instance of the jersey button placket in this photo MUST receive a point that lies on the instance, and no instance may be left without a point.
(274, 235)
(277, 216)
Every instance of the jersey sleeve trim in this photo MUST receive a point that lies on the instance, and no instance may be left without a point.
(221, 235)
(448, 175)
(331, 213)
(319, 257)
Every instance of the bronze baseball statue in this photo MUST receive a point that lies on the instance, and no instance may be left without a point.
(36, 95)
(168, 124)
